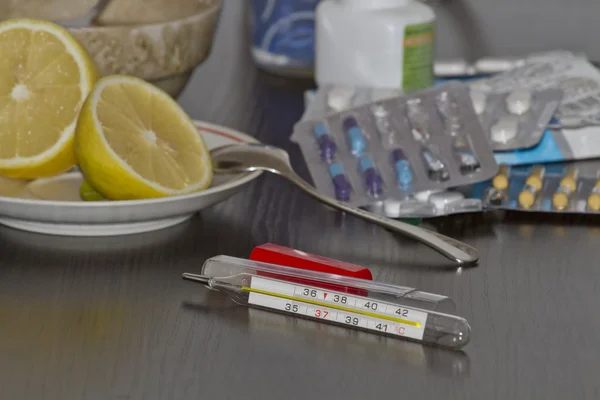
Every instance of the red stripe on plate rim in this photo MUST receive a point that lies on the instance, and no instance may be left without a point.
(218, 132)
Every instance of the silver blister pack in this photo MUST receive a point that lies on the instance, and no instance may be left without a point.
(389, 151)
(573, 74)
(516, 119)
(330, 99)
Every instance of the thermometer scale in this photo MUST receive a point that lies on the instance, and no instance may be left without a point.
(333, 299)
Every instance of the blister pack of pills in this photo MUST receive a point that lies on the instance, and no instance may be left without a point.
(517, 119)
(389, 150)
(574, 131)
(555, 188)
(578, 79)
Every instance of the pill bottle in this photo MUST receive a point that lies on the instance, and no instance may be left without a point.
(283, 36)
(386, 44)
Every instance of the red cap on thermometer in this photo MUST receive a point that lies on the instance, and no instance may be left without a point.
(280, 255)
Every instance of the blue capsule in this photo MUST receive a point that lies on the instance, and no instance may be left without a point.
(373, 179)
(326, 144)
(356, 138)
(404, 172)
(341, 185)
(320, 130)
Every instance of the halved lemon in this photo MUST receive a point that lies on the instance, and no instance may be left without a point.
(134, 141)
(13, 187)
(45, 76)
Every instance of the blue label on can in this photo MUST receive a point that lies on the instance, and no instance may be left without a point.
(285, 27)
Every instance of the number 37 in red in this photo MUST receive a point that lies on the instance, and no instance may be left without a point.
(321, 314)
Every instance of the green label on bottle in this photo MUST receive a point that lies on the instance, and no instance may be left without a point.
(419, 50)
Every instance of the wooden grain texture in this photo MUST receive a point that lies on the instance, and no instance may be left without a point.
(110, 318)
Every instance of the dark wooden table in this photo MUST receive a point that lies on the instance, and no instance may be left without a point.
(110, 318)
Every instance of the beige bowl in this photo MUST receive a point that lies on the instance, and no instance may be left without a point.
(160, 41)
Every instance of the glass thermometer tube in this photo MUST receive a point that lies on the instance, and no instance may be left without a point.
(229, 266)
(338, 307)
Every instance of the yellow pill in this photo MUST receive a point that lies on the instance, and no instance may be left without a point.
(500, 181)
(533, 186)
(570, 179)
(536, 178)
(594, 202)
(560, 201)
(566, 188)
(594, 199)
(527, 198)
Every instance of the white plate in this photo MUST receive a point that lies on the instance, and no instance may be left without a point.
(61, 213)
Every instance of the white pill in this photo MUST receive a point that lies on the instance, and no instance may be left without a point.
(492, 65)
(442, 199)
(450, 68)
(340, 97)
(406, 208)
(391, 208)
(505, 129)
(471, 70)
(423, 197)
(519, 102)
(479, 100)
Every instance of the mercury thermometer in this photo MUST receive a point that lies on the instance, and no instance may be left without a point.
(355, 303)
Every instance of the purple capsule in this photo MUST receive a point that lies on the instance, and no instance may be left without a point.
(372, 176)
(349, 123)
(326, 144)
(398, 155)
(342, 187)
